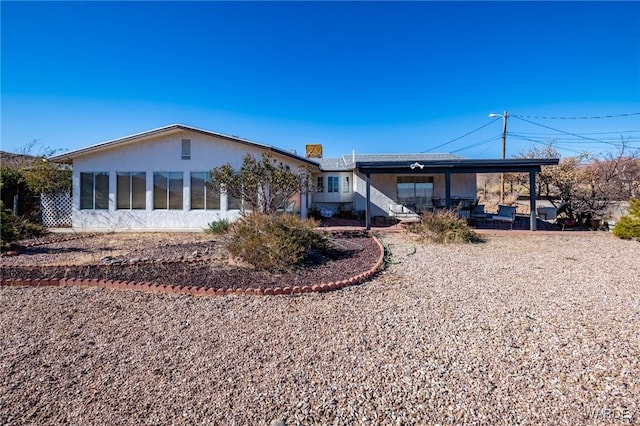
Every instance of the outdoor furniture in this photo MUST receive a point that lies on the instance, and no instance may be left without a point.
(478, 213)
(505, 214)
(547, 213)
(401, 213)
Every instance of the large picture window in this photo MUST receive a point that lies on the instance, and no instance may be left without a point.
(202, 195)
(94, 190)
(415, 192)
(131, 190)
(167, 190)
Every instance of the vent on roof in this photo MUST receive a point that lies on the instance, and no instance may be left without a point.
(186, 149)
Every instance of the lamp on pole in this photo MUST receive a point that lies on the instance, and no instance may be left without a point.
(504, 116)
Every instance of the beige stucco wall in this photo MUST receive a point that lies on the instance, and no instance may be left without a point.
(384, 190)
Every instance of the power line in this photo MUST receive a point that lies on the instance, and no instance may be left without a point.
(586, 133)
(593, 117)
(460, 137)
(561, 131)
(609, 140)
(476, 144)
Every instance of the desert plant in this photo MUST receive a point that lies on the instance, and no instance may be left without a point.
(275, 243)
(444, 227)
(220, 226)
(8, 231)
(628, 226)
(14, 228)
(265, 185)
(27, 229)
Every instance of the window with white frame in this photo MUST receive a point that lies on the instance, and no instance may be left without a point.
(167, 191)
(333, 183)
(203, 197)
(94, 190)
(131, 190)
(234, 203)
(186, 149)
(346, 187)
(320, 184)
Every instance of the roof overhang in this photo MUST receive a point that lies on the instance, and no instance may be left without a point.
(456, 166)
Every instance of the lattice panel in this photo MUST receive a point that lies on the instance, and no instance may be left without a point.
(56, 210)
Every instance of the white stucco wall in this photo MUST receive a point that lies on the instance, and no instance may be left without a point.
(160, 154)
(334, 200)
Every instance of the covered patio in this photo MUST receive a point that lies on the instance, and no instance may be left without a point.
(449, 167)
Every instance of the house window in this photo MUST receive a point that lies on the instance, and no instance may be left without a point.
(332, 183)
(233, 203)
(345, 184)
(320, 184)
(94, 190)
(202, 195)
(186, 149)
(131, 190)
(415, 191)
(167, 190)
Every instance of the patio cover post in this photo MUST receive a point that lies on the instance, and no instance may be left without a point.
(368, 204)
(532, 200)
(447, 189)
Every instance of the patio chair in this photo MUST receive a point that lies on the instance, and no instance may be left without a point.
(505, 214)
(478, 213)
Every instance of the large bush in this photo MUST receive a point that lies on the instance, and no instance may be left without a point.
(8, 232)
(14, 228)
(628, 227)
(444, 227)
(13, 182)
(275, 243)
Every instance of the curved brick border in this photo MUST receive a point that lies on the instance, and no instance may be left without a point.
(201, 291)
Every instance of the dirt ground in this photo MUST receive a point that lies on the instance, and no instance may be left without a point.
(194, 259)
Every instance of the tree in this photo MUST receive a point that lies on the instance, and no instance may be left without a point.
(585, 186)
(28, 176)
(265, 185)
(44, 177)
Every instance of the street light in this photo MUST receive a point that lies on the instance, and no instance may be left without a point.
(504, 116)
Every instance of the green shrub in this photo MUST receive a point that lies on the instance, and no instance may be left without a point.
(444, 227)
(27, 229)
(8, 231)
(17, 228)
(220, 226)
(275, 243)
(628, 226)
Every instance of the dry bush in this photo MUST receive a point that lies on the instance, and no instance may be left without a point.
(444, 227)
(275, 243)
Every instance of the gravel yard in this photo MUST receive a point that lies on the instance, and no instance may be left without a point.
(521, 329)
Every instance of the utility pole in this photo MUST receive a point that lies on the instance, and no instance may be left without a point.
(504, 152)
(504, 116)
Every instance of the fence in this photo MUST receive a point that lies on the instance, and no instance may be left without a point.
(56, 210)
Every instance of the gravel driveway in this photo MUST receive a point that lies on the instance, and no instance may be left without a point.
(522, 329)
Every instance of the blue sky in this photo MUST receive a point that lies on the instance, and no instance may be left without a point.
(366, 76)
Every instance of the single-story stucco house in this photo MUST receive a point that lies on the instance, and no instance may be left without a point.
(156, 180)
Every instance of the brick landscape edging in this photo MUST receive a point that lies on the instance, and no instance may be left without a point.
(201, 291)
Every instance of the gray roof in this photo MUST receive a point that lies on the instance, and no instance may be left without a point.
(346, 162)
